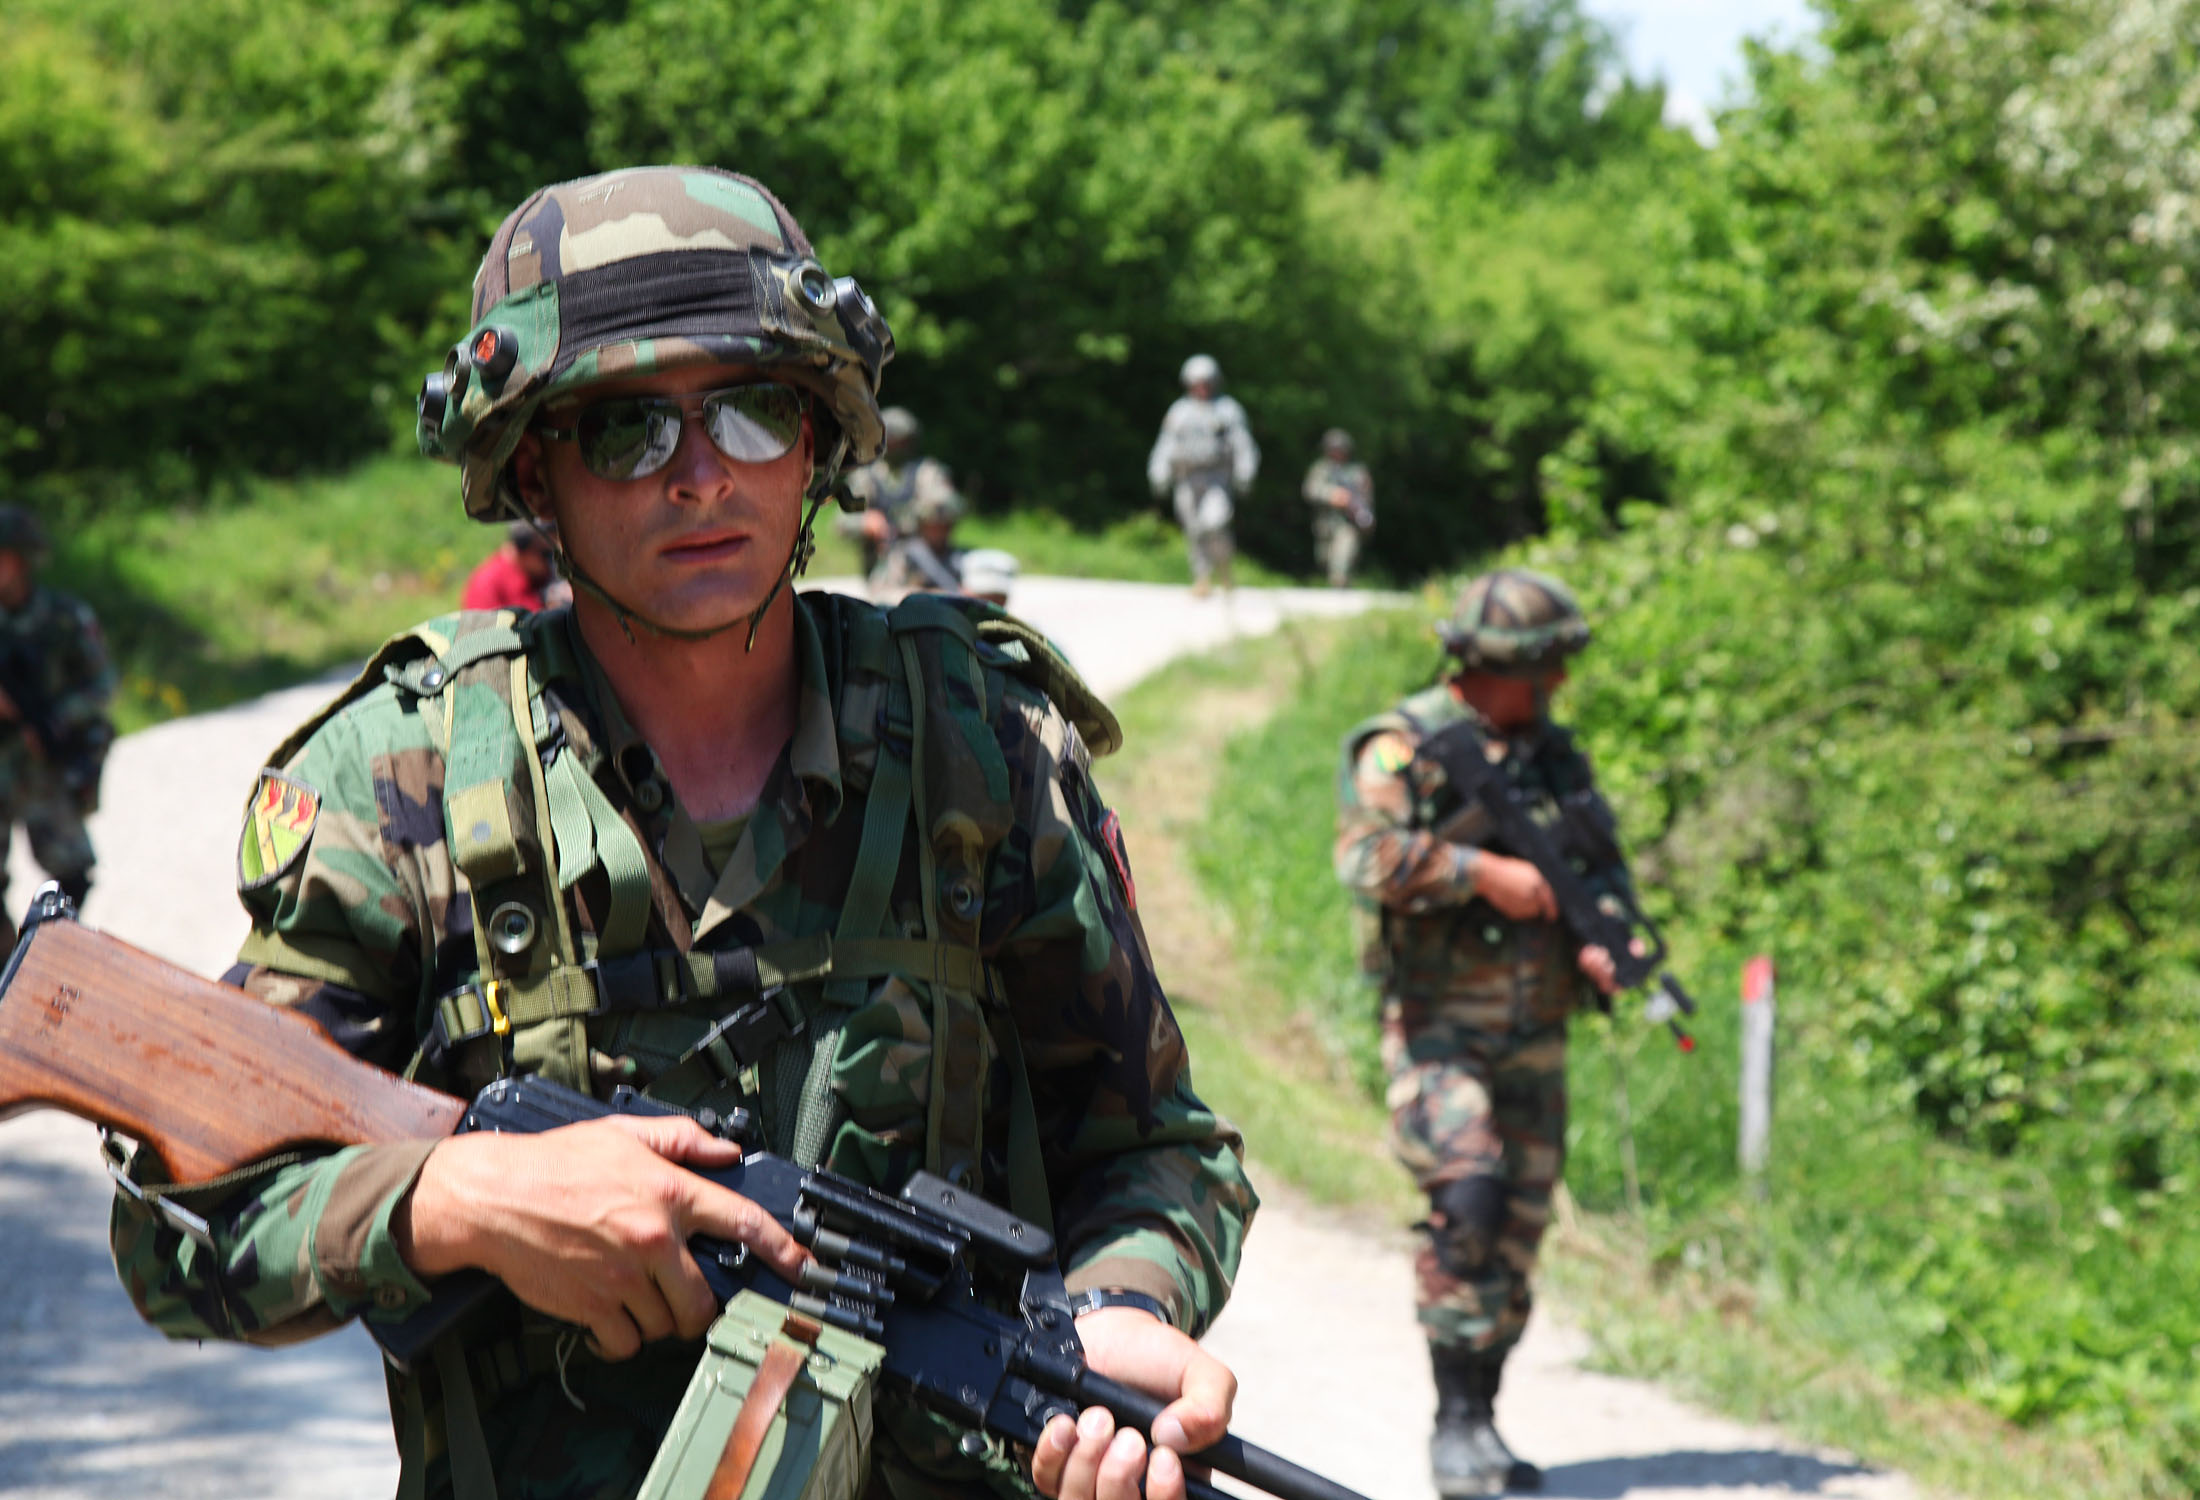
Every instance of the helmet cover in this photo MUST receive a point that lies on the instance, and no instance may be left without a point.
(1514, 622)
(936, 500)
(639, 271)
(1200, 369)
(988, 570)
(901, 424)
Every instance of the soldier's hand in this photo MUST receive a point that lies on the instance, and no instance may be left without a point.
(1089, 1459)
(1596, 962)
(1515, 887)
(876, 527)
(589, 1223)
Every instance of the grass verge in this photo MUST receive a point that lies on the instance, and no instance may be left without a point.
(287, 580)
(1259, 1062)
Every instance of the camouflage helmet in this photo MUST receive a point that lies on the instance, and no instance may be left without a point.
(901, 424)
(23, 534)
(1200, 369)
(988, 570)
(936, 500)
(642, 270)
(1514, 622)
(1337, 440)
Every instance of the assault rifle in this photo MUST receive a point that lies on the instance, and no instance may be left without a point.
(965, 1298)
(1586, 838)
(75, 755)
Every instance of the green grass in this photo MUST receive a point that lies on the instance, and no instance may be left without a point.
(1890, 1294)
(1266, 1073)
(288, 579)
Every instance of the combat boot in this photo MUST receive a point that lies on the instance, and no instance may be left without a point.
(1519, 1473)
(1460, 1460)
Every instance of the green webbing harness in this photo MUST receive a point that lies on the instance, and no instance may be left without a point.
(506, 752)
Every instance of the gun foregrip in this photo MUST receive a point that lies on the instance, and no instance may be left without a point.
(1231, 1455)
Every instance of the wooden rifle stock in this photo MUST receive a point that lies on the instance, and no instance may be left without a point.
(208, 1076)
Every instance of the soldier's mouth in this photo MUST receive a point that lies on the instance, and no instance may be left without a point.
(707, 547)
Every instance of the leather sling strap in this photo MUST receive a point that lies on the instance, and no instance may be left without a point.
(775, 1377)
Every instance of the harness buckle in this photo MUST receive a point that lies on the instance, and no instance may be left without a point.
(743, 1035)
(499, 1022)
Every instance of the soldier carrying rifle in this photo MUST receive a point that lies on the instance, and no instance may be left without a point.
(576, 846)
(1477, 945)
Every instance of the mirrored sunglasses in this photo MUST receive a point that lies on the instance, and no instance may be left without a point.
(632, 437)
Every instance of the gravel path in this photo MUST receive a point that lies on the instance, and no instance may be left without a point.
(93, 1404)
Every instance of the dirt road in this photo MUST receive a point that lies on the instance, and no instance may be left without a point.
(92, 1404)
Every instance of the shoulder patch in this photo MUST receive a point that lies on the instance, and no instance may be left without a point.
(278, 824)
(1389, 754)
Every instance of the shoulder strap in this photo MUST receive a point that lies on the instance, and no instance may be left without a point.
(962, 819)
(411, 660)
(1019, 650)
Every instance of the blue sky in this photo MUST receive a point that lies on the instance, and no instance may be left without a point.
(1695, 45)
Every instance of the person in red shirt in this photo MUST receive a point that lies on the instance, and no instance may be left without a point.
(520, 574)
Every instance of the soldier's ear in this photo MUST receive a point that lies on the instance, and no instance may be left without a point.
(528, 479)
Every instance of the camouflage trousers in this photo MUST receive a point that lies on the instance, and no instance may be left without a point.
(1200, 500)
(30, 794)
(1479, 1119)
(1337, 547)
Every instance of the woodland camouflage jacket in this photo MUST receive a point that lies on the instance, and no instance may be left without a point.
(363, 922)
(57, 635)
(1407, 846)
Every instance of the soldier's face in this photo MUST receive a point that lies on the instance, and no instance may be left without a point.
(1509, 702)
(696, 545)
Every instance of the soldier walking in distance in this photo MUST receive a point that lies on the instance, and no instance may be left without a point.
(570, 844)
(1478, 979)
(927, 559)
(889, 487)
(1343, 497)
(55, 686)
(1203, 457)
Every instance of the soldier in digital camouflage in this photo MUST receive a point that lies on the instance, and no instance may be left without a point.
(889, 487)
(926, 559)
(1342, 495)
(1478, 979)
(1204, 456)
(55, 687)
(566, 843)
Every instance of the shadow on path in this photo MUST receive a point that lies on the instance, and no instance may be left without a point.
(1754, 1468)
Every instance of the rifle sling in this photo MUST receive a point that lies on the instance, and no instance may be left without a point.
(775, 1377)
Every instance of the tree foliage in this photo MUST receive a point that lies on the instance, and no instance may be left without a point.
(1055, 207)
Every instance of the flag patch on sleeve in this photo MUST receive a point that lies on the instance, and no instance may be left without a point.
(278, 824)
